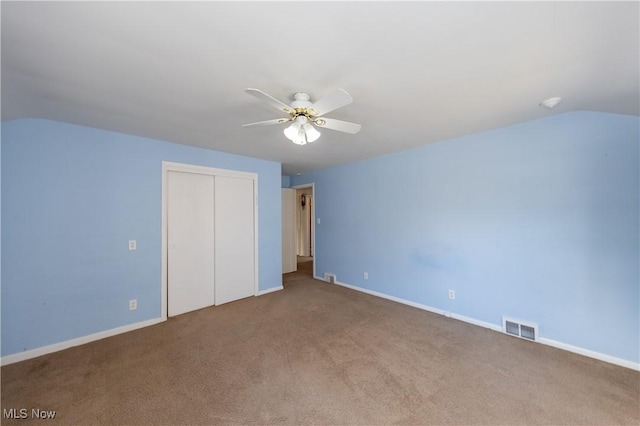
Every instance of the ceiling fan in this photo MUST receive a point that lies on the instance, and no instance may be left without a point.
(303, 115)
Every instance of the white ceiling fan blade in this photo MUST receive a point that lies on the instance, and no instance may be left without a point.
(339, 125)
(331, 102)
(270, 100)
(268, 122)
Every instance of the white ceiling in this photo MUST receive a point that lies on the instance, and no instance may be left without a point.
(419, 72)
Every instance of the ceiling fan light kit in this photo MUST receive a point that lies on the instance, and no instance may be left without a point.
(303, 115)
(301, 131)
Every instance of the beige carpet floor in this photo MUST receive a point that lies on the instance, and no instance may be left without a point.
(316, 353)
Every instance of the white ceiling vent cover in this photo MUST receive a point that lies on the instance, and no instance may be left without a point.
(520, 329)
(330, 278)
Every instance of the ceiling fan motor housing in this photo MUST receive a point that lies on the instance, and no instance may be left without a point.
(301, 100)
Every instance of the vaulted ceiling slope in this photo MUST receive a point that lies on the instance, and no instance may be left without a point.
(419, 72)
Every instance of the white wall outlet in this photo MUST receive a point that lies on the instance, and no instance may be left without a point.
(318, 221)
(132, 244)
(133, 304)
(366, 275)
(452, 294)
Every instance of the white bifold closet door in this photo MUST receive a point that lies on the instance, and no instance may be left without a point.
(210, 240)
(190, 242)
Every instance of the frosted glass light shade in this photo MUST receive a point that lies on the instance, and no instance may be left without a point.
(301, 138)
(311, 132)
(291, 132)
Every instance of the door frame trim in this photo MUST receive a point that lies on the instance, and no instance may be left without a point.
(167, 167)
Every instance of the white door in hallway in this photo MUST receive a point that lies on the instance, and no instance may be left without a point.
(289, 260)
(190, 242)
(234, 238)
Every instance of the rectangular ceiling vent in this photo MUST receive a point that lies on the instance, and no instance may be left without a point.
(330, 278)
(520, 329)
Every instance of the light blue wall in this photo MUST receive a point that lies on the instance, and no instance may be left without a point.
(286, 181)
(71, 199)
(536, 221)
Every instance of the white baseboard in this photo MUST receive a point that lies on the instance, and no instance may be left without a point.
(269, 290)
(575, 349)
(591, 354)
(479, 323)
(393, 298)
(32, 353)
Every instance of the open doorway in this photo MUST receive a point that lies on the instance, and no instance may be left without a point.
(305, 229)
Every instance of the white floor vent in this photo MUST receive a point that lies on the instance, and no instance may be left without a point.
(520, 329)
(330, 278)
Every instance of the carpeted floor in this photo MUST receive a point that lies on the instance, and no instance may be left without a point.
(316, 353)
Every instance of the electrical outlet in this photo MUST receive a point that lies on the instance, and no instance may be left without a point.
(366, 275)
(132, 244)
(133, 304)
(452, 294)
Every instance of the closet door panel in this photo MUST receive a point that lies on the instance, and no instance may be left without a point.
(190, 240)
(234, 239)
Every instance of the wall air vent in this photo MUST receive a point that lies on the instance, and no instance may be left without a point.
(330, 278)
(520, 329)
